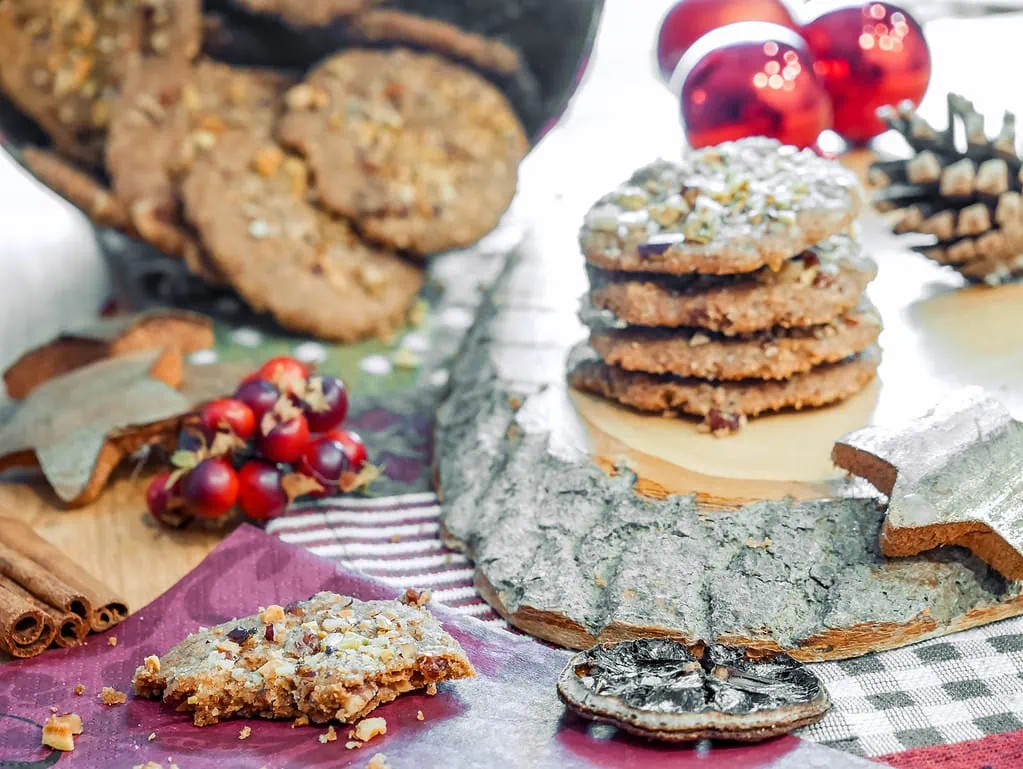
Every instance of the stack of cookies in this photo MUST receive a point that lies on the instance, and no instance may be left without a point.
(728, 286)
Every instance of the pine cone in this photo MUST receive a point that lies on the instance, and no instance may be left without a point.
(969, 201)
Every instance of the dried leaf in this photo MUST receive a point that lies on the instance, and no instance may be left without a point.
(225, 443)
(314, 396)
(186, 460)
(361, 480)
(296, 485)
(79, 426)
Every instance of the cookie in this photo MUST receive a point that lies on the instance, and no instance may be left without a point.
(811, 289)
(422, 153)
(307, 13)
(63, 61)
(331, 657)
(671, 395)
(772, 354)
(247, 200)
(168, 113)
(732, 208)
(80, 188)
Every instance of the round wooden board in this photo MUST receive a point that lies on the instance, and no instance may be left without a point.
(938, 337)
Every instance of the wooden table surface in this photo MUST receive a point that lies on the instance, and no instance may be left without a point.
(114, 538)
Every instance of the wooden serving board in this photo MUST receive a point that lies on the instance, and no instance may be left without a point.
(588, 521)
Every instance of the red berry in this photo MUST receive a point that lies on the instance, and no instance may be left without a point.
(286, 441)
(228, 415)
(751, 79)
(258, 394)
(211, 488)
(284, 372)
(868, 55)
(261, 495)
(325, 460)
(354, 447)
(158, 495)
(689, 20)
(325, 404)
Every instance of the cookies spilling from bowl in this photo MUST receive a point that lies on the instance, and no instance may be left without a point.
(314, 195)
(728, 286)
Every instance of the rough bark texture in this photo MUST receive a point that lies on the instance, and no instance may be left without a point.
(573, 555)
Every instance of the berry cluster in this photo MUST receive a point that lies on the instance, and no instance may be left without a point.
(278, 437)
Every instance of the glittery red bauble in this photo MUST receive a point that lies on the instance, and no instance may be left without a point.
(689, 20)
(751, 79)
(868, 55)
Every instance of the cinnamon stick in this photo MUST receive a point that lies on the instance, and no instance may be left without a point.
(52, 577)
(70, 628)
(25, 630)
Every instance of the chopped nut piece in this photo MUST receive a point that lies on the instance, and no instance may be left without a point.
(420, 716)
(110, 696)
(352, 745)
(59, 731)
(414, 597)
(268, 160)
(112, 641)
(152, 663)
(431, 689)
(379, 761)
(369, 728)
(330, 736)
(152, 736)
(228, 647)
(244, 733)
(698, 339)
(300, 721)
(79, 689)
(272, 614)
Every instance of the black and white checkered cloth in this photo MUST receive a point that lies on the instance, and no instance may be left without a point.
(960, 687)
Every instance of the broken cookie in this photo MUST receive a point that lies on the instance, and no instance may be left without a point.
(659, 688)
(331, 657)
(966, 489)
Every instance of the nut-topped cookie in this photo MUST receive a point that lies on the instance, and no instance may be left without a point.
(248, 201)
(168, 113)
(728, 401)
(727, 209)
(63, 61)
(331, 657)
(420, 152)
(777, 353)
(810, 289)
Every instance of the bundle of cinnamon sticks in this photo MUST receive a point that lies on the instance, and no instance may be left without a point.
(45, 598)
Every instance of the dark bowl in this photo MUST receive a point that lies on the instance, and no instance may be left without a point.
(555, 38)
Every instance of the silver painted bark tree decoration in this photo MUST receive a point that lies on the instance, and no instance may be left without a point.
(954, 477)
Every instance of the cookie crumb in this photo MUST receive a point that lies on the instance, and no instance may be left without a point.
(110, 696)
(352, 745)
(244, 733)
(112, 641)
(368, 728)
(330, 736)
(413, 597)
(406, 359)
(300, 721)
(152, 736)
(420, 716)
(152, 663)
(59, 731)
(53, 708)
(379, 761)
(431, 689)
(79, 689)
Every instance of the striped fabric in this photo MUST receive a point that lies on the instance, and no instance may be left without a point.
(394, 539)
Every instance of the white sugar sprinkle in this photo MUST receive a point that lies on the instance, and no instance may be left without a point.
(377, 365)
(311, 352)
(203, 357)
(246, 337)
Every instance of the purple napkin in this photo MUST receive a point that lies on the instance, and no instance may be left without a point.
(508, 717)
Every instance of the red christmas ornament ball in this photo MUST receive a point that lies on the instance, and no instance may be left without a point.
(689, 20)
(867, 55)
(751, 79)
